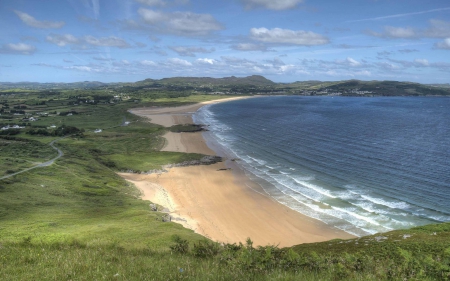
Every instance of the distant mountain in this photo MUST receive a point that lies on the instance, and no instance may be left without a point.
(254, 84)
(373, 88)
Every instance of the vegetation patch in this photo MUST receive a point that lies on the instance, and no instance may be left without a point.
(186, 128)
(143, 162)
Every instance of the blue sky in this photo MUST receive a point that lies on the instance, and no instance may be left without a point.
(283, 40)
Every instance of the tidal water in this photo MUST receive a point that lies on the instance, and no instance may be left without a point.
(364, 165)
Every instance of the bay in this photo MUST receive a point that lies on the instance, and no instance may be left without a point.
(364, 165)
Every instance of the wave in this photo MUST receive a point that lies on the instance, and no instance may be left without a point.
(311, 169)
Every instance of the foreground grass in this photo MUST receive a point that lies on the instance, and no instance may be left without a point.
(417, 254)
(79, 262)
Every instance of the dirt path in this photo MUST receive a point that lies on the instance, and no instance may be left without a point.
(45, 164)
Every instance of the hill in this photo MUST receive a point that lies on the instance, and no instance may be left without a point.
(254, 84)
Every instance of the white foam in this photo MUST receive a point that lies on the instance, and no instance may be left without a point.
(315, 188)
(390, 204)
(260, 162)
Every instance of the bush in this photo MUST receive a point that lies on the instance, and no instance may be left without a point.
(206, 249)
(10, 132)
(181, 245)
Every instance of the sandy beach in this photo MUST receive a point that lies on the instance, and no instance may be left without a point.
(217, 202)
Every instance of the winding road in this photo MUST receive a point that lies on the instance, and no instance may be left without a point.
(45, 164)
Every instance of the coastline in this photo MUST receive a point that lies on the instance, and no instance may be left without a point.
(219, 201)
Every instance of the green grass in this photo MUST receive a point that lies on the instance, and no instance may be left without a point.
(188, 128)
(78, 220)
(79, 198)
(16, 155)
(73, 261)
(425, 257)
(149, 161)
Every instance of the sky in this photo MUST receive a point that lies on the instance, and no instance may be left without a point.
(283, 40)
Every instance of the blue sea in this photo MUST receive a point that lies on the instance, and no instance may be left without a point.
(364, 165)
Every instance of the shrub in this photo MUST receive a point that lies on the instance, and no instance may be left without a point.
(181, 245)
(206, 249)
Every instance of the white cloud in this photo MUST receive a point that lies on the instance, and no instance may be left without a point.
(152, 17)
(438, 29)
(180, 23)
(280, 66)
(148, 63)
(272, 4)
(31, 21)
(445, 45)
(388, 66)
(249, 47)
(287, 36)
(111, 41)
(351, 62)
(179, 62)
(69, 39)
(190, 51)
(206, 61)
(62, 40)
(343, 68)
(395, 32)
(82, 68)
(18, 49)
(421, 62)
(345, 73)
(287, 68)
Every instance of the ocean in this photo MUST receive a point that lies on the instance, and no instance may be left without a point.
(363, 165)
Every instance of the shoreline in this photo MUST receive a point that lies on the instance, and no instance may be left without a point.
(219, 201)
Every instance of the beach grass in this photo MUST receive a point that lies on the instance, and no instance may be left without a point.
(149, 161)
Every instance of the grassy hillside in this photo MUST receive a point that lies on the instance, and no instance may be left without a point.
(80, 197)
(78, 220)
(417, 254)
